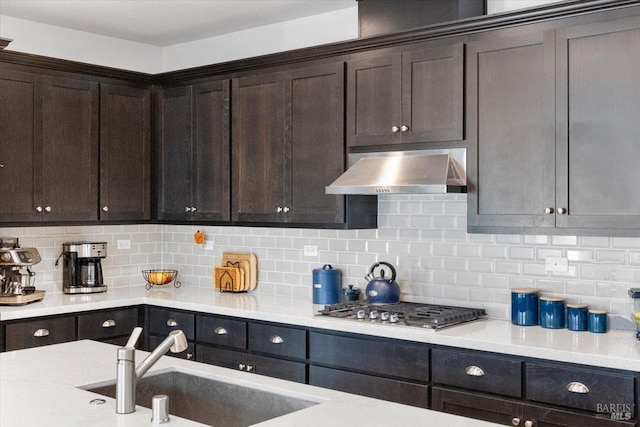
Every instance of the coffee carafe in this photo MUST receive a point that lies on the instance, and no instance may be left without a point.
(82, 267)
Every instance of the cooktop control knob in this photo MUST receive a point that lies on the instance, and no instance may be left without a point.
(384, 316)
(393, 318)
(360, 314)
(5, 257)
(373, 315)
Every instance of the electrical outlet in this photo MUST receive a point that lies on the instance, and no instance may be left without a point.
(124, 244)
(310, 250)
(208, 245)
(560, 265)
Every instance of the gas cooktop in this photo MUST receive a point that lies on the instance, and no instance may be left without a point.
(430, 316)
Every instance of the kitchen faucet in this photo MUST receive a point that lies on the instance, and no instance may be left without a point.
(127, 375)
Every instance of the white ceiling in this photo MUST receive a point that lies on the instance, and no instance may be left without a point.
(165, 22)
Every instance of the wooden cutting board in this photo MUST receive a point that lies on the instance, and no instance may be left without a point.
(246, 261)
(229, 279)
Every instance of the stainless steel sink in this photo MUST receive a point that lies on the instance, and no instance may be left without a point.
(209, 401)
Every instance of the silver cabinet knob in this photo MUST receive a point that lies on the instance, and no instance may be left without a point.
(193, 209)
(395, 129)
(528, 423)
(474, 371)
(187, 209)
(189, 356)
(250, 368)
(41, 333)
(285, 209)
(515, 421)
(404, 128)
(172, 323)
(220, 331)
(276, 339)
(562, 211)
(105, 208)
(242, 366)
(38, 208)
(47, 209)
(279, 209)
(548, 211)
(1, 165)
(110, 323)
(577, 387)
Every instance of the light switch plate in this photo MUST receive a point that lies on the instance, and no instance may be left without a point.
(208, 245)
(559, 265)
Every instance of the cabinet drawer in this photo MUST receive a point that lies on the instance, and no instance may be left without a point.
(163, 321)
(278, 340)
(219, 331)
(591, 388)
(107, 324)
(40, 332)
(479, 372)
(390, 357)
(370, 386)
(269, 366)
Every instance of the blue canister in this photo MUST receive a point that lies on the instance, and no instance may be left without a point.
(597, 321)
(326, 285)
(552, 312)
(524, 307)
(577, 317)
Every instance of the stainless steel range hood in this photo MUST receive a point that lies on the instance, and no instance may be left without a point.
(408, 172)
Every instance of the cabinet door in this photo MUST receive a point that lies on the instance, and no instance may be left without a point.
(125, 153)
(107, 324)
(20, 146)
(511, 166)
(432, 94)
(259, 149)
(542, 416)
(315, 139)
(39, 332)
(211, 174)
(367, 385)
(478, 406)
(373, 101)
(174, 134)
(70, 154)
(598, 126)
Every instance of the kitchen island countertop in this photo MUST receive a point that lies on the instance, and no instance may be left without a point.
(615, 349)
(39, 387)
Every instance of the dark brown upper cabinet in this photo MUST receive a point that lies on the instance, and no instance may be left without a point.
(288, 144)
(20, 145)
(194, 172)
(409, 97)
(511, 167)
(70, 151)
(553, 131)
(125, 153)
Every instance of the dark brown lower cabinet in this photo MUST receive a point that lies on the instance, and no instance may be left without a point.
(39, 332)
(366, 385)
(262, 365)
(515, 413)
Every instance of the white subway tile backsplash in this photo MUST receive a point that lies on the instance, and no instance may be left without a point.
(424, 236)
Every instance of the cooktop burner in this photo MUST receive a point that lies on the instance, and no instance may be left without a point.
(430, 316)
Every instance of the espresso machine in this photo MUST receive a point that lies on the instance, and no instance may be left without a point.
(82, 267)
(16, 278)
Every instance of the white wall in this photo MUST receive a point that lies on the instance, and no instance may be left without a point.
(497, 6)
(316, 30)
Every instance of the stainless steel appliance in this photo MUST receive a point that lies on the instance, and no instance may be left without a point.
(429, 316)
(16, 278)
(82, 268)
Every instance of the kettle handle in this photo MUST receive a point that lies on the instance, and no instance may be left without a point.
(378, 264)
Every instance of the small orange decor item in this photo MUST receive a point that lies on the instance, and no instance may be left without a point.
(198, 237)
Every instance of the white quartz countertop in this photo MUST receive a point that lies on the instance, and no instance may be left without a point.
(40, 387)
(615, 349)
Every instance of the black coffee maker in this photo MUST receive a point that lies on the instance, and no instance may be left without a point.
(82, 268)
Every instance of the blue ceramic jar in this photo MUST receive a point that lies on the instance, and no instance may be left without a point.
(552, 312)
(326, 285)
(597, 321)
(524, 307)
(577, 317)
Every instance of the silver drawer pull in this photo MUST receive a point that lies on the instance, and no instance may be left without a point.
(109, 323)
(172, 323)
(276, 339)
(220, 331)
(474, 371)
(41, 333)
(577, 387)
(515, 421)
